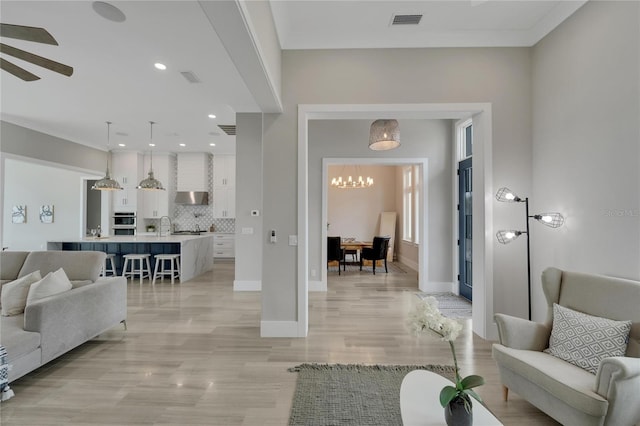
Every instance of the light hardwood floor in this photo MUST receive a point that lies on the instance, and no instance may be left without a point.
(193, 355)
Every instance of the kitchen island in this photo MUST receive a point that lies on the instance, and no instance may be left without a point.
(196, 251)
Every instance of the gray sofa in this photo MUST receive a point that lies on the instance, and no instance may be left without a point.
(566, 392)
(56, 324)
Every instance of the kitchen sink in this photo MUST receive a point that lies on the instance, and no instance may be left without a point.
(186, 233)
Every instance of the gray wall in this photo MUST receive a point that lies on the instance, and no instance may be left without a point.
(586, 143)
(430, 139)
(248, 273)
(500, 76)
(25, 142)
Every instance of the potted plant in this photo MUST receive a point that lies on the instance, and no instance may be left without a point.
(425, 317)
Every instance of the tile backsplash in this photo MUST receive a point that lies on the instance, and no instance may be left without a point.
(187, 217)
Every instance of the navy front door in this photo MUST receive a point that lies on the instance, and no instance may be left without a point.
(464, 228)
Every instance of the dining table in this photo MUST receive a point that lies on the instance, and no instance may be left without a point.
(354, 245)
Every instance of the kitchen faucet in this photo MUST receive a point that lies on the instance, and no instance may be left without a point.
(160, 231)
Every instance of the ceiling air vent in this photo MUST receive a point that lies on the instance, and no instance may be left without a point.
(190, 76)
(229, 129)
(406, 19)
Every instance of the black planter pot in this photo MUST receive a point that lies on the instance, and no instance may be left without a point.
(456, 414)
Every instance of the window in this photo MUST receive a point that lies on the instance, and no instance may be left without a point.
(411, 203)
(465, 139)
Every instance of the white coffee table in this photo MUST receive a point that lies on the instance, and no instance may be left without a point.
(420, 401)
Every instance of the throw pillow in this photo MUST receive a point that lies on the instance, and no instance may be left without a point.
(14, 294)
(584, 340)
(53, 283)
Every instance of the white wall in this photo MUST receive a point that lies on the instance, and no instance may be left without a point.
(356, 212)
(33, 185)
(586, 144)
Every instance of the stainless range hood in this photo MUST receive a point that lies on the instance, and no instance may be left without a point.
(192, 198)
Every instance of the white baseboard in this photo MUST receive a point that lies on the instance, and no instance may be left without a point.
(410, 263)
(278, 329)
(247, 285)
(318, 286)
(439, 287)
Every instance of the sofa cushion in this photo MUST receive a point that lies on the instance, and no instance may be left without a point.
(585, 340)
(565, 381)
(14, 294)
(80, 283)
(78, 265)
(12, 262)
(53, 283)
(15, 339)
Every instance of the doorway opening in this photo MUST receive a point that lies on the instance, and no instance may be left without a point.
(93, 207)
(482, 212)
(368, 229)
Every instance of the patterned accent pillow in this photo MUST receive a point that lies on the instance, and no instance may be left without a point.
(585, 340)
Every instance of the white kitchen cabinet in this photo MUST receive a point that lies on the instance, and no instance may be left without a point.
(224, 170)
(224, 245)
(127, 170)
(224, 202)
(156, 204)
(224, 186)
(193, 171)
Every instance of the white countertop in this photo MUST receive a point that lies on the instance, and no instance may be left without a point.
(135, 239)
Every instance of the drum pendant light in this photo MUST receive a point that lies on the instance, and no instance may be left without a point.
(384, 135)
(150, 183)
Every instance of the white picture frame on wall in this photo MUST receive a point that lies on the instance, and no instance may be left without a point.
(46, 213)
(19, 214)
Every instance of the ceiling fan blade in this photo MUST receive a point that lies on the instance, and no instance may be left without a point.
(37, 60)
(17, 71)
(22, 32)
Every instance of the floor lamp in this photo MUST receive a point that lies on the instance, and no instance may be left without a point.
(552, 220)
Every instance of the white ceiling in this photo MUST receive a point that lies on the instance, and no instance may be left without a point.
(114, 78)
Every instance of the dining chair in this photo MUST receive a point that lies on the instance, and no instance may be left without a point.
(377, 251)
(353, 252)
(335, 252)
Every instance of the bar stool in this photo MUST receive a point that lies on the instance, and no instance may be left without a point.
(142, 271)
(105, 267)
(174, 267)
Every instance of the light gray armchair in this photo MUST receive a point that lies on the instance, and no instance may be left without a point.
(564, 391)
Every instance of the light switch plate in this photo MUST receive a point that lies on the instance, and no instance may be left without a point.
(293, 240)
(247, 231)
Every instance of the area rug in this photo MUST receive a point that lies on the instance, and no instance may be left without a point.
(450, 305)
(351, 394)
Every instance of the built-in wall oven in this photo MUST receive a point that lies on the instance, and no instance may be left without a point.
(124, 223)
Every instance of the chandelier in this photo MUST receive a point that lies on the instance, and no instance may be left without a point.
(350, 182)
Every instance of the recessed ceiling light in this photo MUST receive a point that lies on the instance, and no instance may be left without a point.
(212, 144)
(152, 144)
(212, 116)
(121, 144)
(160, 66)
(183, 144)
